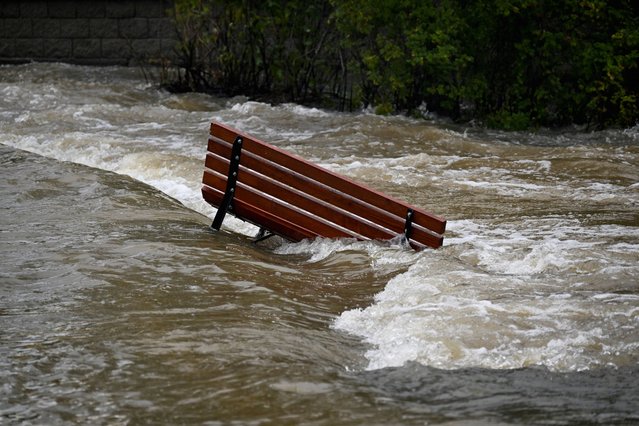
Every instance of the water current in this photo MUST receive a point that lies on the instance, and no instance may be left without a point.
(119, 306)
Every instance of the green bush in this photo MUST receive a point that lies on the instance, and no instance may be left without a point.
(510, 63)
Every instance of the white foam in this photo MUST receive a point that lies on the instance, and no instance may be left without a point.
(434, 322)
(496, 297)
(410, 170)
(250, 108)
(303, 111)
(632, 132)
(381, 253)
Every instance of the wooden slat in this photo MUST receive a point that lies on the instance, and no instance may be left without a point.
(252, 197)
(392, 223)
(259, 217)
(301, 199)
(326, 177)
(298, 199)
(311, 187)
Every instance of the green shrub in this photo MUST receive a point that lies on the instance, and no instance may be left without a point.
(510, 63)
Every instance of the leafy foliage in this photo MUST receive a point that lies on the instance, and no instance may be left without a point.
(510, 63)
(281, 49)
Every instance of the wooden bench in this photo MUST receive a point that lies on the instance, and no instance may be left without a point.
(286, 195)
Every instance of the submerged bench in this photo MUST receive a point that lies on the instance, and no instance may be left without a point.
(288, 196)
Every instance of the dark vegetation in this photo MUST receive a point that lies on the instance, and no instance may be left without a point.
(512, 64)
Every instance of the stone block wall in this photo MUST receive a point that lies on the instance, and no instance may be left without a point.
(95, 32)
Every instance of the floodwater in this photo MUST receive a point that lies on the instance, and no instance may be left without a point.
(119, 306)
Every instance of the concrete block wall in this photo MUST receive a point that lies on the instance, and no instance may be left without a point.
(94, 32)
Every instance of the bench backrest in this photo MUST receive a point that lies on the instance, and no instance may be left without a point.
(297, 199)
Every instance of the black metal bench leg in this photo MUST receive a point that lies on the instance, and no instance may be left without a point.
(231, 182)
(262, 234)
(408, 226)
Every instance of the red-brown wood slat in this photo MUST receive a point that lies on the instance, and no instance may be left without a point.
(309, 186)
(250, 197)
(300, 199)
(351, 213)
(331, 179)
(260, 217)
(316, 201)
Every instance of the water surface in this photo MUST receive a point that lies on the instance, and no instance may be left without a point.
(119, 306)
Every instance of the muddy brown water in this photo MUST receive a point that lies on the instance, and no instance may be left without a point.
(119, 306)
